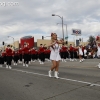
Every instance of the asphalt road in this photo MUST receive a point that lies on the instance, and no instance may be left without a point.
(78, 81)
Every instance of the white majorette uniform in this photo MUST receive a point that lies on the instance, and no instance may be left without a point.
(98, 52)
(80, 51)
(55, 52)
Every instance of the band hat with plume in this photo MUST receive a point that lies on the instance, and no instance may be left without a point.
(52, 34)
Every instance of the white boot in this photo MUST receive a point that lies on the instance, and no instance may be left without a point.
(23, 64)
(99, 65)
(10, 67)
(56, 74)
(80, 61)
(29, 62)
(6, 66)
(50, 73)
(4, 62)
(75, 59)
(83, 59)
(19, 61)
(42, 62)
(64, 60)
(26, 65)
(0, 66)
(14, 64)
(72, 59)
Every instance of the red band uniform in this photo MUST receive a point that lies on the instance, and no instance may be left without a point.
(9, 53)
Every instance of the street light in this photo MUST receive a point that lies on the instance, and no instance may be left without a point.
(62, 24)
(13, 41)
(66, 30)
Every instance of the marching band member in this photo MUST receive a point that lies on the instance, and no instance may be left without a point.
(94, 50)
(67, 53)
(46, 54)
(71, 50)
(15, 57)
(9, 56)
(20, 55)
(33, 54)
(39, 58)
(75, 53)
(36, 54)
(26, 55)
(29, 56)
(3, 57)
(64, 52)
(42, 57)
(55, 54)
(12, 47)
(1, 60)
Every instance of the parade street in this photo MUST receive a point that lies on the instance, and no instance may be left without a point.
(78, 81)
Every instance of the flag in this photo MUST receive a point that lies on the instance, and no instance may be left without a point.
(76, 32)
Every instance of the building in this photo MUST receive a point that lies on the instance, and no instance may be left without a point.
(47, 42)
(44, 42)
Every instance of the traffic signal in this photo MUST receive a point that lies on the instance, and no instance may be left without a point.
(3, 43)
(80, 39)
(66, 42)
(42, 37)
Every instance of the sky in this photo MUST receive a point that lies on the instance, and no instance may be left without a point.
(19, 18)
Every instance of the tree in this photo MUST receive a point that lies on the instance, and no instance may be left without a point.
(91, 39)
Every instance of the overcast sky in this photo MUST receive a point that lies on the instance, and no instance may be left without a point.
(33, 17)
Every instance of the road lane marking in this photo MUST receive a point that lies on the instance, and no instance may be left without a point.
(72, 80)
(30, 72)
